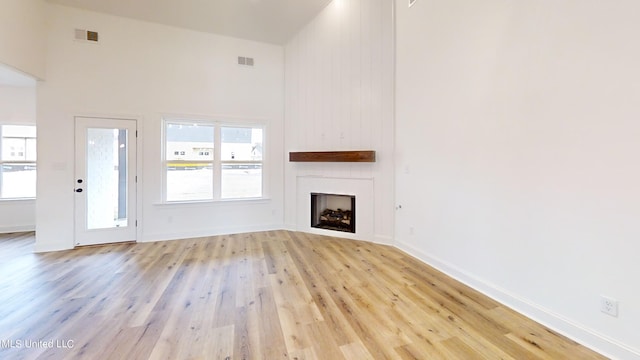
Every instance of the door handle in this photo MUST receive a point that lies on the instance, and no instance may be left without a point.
(78, 190)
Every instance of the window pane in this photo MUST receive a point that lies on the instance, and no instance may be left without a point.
(241, 152)
(189, 155)
(13, 149)
(186, 183)
(18, 146)
(18, 180)
(190, 142)
(242, 144)
(241, 180)
(19, 131)
(30, 150)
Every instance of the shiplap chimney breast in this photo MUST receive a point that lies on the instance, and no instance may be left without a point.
(339, 81)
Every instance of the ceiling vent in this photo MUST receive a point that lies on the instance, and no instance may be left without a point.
(246, 61)
(86, 35)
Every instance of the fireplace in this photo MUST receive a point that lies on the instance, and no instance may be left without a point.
(333, 212)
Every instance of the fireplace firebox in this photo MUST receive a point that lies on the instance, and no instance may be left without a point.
(333, 212)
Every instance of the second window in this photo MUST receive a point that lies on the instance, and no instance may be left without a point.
(210, 161)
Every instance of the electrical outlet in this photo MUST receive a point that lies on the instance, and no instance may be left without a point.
(609, 306)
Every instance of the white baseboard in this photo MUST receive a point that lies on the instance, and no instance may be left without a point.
(577, 332)
(19, 228)
(383, 240)
(39, 248)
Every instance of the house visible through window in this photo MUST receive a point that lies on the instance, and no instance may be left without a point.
(210, 161)
(17, 161)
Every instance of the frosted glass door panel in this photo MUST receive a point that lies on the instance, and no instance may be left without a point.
(106, 182)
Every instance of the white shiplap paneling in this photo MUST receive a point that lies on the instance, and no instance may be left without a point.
(339, 96)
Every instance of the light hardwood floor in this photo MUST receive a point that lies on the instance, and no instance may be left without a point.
(268, 295)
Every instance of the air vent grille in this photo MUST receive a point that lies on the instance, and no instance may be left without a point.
(81, 34)
(86, 35)
(92, 36)
(245, 61)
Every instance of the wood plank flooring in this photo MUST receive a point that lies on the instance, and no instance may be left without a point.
(268, 295)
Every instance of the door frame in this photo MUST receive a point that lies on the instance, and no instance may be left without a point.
(137, 168)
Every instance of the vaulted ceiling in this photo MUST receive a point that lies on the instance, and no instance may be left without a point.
(271, 21)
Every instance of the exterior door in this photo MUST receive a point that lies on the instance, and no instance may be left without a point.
(105, 182)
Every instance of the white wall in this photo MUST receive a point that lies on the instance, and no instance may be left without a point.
(143, 70)
(517, 155)
(339, 96)
(17, 106)
(22, 33)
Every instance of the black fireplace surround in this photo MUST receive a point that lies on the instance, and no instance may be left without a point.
(333, 212)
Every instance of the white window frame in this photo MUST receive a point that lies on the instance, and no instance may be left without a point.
(217, 162)
(10, 162)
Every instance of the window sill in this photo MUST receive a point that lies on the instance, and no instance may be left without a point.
(262, 200)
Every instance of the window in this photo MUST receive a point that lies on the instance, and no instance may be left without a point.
(17, 161)
(241, 150)
(211, 161)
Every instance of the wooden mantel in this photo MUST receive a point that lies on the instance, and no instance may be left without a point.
(333, 156)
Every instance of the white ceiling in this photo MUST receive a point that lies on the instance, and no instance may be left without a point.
(271, 21)
(11, 77)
